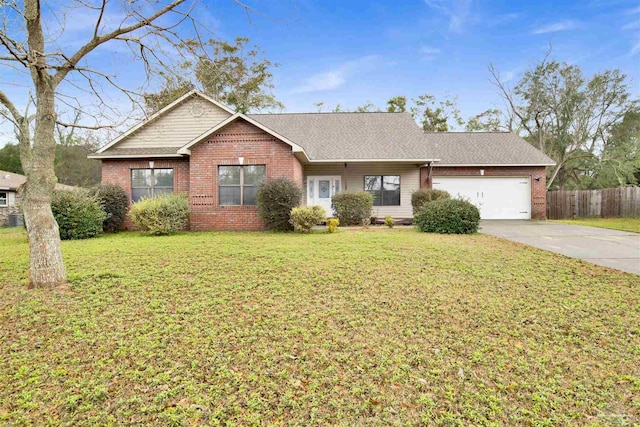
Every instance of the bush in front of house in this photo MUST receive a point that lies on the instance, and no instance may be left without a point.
(332, 224)
(389, 222)
(160, 215)
(448, 216)
(114, 202)
(78, 214)
(276, 198)
(304, 218)
(352, 207)
(420, 197)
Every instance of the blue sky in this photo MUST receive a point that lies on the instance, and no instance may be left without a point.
(350, 52)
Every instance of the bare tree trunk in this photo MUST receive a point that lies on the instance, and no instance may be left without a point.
(46, 269)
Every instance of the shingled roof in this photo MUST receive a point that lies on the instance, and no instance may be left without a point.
(338, 137)
(484, 149)
(11, 181)
(352, 136)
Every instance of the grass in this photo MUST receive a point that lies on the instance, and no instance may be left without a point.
(622, 224)
(353, 328)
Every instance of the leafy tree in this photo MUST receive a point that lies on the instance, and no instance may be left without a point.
(435, 116)
(10, 159)
(319, 106)
(367, 107)
(488, 121)
(397, 104)
(71, 165)
(172, 89)
(620, 162)
(232, 73)
(567, 116)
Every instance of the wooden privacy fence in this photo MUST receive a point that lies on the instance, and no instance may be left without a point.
(609, 202)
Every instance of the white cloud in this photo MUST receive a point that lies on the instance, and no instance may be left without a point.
(635, 49)
(507, 76)
(322, 81)
(457, 11)
(337, 77)
(429, 52)
(493, 20)
(633, 11)
(632, 26)
(556, 26)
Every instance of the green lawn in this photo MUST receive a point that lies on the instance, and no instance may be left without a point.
(622, 224)
(388, 327)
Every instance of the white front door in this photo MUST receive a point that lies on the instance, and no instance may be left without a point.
(496, 197)
(320, 190)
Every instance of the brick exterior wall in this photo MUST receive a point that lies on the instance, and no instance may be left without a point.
(538, 188)
(238, 139)
(118, 172)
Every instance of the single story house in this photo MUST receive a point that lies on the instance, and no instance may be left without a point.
(9, 196)
(198, 147)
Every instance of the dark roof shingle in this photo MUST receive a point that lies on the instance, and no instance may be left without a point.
(484, 148)
(351, 136)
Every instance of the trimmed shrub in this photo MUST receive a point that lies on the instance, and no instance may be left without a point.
(78, 214)
(448, 216)
(389, 222)
(352, 208)
(332, 224)
(303, 218)
(276, 198)
(160, 215)
(114, 202)
(422, 196)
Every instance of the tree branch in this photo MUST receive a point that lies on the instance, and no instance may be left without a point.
(17, 117)
(79, 126)
(96, 41)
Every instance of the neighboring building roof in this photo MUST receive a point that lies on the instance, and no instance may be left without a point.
(11, 181)
(485, 149)
(324, 137)
(352, 136)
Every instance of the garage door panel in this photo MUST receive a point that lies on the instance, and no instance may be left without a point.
(496, 197)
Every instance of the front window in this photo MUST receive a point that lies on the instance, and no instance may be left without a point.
(3, 198)
(385, 189)
(238, 185)
(150, 183)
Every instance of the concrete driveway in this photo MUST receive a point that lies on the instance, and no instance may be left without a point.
(610, 248)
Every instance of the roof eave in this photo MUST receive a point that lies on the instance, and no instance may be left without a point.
(422, 160)
(495, 164)
(132, 156)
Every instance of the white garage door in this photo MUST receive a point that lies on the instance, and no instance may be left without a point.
(496, 197)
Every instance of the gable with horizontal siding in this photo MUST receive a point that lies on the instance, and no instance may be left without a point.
(178, 126)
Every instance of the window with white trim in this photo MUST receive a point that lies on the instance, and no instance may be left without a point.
(4, 198)
(238, 185)
(147, 183)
